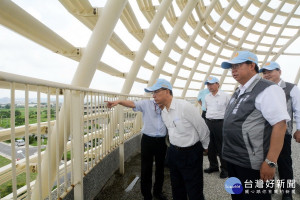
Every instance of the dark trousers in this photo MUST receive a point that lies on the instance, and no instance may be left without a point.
(186, 171)
(203, 115)
(285, 163)
(248, 178)
(215, 144)
(152, 147)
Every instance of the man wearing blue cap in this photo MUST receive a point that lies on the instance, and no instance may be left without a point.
(188, 136)
(153, 144)
(216, 102)
(271, 71)
(254, 128)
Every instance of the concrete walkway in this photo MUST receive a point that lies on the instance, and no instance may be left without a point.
(213, 185)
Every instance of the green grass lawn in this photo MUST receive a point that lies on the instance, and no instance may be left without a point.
(6, 188)
(4, 161)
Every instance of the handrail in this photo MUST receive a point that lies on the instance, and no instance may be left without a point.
(96, 124)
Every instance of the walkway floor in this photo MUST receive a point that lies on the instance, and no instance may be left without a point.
(116, 186)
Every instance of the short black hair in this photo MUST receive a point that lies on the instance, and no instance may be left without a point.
(256, 67)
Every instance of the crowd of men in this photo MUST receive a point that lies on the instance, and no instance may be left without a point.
(250, 132)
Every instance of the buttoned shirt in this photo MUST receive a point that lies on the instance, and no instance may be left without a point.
(185, 124)
(201, 97)
(153, 124)
(295, 95)
(271, 102)
(216, 105)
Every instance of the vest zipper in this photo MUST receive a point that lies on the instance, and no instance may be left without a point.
(251, 146)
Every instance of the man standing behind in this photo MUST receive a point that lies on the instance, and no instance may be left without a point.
(188, 133)
(201, 100)
(152, 145)
(216, 102)
(254, 127)
(271, 71)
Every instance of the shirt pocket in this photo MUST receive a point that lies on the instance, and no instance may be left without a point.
(178, 125)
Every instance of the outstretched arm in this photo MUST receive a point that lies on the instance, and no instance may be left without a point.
(126, 103)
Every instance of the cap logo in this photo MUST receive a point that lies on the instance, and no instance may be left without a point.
(268, 63)
(236, 54)
(210, 78)
(163, 85)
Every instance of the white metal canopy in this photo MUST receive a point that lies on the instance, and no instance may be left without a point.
(188, 39)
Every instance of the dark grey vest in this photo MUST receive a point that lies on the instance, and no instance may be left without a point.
(246, 133)
(287, 87)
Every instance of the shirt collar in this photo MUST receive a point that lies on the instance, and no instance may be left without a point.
(217, 94)
(172, 106)
(244, 87)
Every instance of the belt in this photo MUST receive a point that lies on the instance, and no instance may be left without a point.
(215, 120)
(153, 137)
(185, 148)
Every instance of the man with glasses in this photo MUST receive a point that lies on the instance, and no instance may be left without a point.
(254, 128)
(188, 136)
(272, 72)
(153, 144)
(216, 102)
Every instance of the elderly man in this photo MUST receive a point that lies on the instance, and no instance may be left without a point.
(254, 128)
(188, 136)
(272, 72)
(216, 102)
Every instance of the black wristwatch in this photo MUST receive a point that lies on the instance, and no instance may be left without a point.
(270, 163)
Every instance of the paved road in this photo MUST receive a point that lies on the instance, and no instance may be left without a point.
(5, 150)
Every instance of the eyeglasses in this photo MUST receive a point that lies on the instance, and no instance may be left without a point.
(236, 66)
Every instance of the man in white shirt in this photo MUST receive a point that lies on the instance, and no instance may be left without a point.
(272, 72)
(216, 102)
(188, 136)
(253, 129)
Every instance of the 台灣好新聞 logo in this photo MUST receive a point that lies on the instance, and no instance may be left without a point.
(233, 185)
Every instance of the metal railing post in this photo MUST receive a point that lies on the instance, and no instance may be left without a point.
(77, 145)
(120, 113)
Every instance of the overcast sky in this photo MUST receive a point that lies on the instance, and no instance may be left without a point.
(22, 56)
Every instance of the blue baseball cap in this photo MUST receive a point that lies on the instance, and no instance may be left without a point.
(211, 80)
(270, 65)
(240, 57)
(160, 83)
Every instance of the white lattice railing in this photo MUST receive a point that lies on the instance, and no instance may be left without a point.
(80, 131)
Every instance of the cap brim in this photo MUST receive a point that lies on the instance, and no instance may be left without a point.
(269, 69)
(226, 65)
(151, 89)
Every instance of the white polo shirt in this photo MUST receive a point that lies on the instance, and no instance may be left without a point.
(185, 124)
(271, 102)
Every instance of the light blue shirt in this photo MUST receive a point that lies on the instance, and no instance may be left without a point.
(201, 97)
(153, 124)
